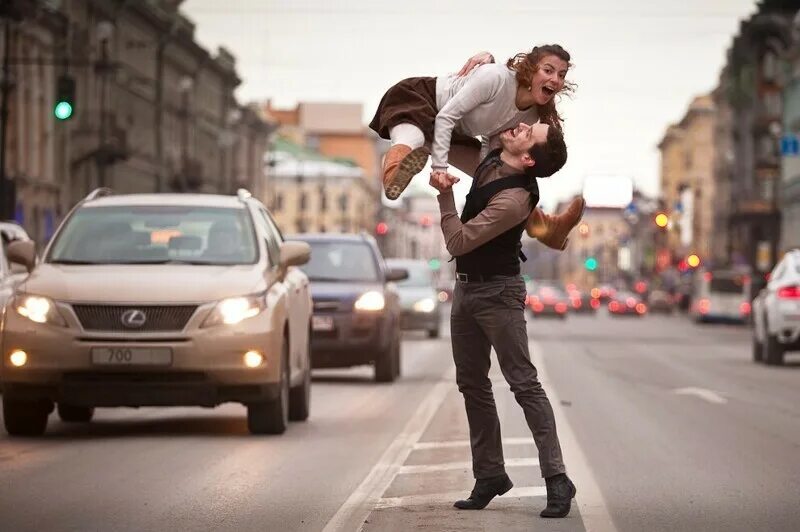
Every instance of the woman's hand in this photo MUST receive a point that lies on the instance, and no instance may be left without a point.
(482, 58)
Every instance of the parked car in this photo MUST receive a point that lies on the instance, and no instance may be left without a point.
(721, 295)
(548, 299)
(661, 301)
(625, 303)
(356, 304)
(776, 312)
(419, 299)
(159, 300)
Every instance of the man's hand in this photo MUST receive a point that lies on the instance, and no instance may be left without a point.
(442, 181)
(475, 61)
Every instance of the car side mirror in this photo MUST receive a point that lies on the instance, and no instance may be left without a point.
(397, 274)
(294, 253)
(22, 252)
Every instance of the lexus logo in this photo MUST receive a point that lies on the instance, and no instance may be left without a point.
(133, 319)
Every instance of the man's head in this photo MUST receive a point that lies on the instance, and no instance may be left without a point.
(538, 149)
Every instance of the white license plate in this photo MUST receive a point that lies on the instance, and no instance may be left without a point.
(132, 356)
(322, 323)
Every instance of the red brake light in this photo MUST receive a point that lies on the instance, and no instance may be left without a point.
(744, 308)
(708, 276)
(641, 308)
(561, 308)
(631, 302)
(613, 306)
(576, 303)
(703, 306)
(595, 303)
(789, 292)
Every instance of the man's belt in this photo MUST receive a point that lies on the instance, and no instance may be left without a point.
(480, 278)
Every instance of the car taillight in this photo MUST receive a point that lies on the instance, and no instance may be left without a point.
(744, 308)
(630, 302)
(613, 306)
(703, 306)
(561, 308)
(595, 303)
(538, 307)
(576, 303)
(641, 308)
(789, 292)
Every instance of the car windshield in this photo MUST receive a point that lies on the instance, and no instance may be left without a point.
(418, 274)
(726, 285)
(156, 234)
(341, 261)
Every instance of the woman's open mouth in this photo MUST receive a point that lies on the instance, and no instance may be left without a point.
(548, 92)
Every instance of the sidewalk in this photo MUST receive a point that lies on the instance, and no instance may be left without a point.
(438, 471)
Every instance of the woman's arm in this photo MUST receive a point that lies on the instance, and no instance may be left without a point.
(481, 58)
(480, 88)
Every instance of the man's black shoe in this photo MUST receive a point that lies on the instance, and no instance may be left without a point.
(484, 491)
(560, 492)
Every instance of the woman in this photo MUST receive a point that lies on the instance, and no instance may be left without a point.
(442, 116)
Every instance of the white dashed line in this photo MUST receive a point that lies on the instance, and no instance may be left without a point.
(440, 499)
(465, 443)
(704, 394)
(455, 466)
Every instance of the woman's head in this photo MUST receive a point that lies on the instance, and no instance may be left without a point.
(542, 72)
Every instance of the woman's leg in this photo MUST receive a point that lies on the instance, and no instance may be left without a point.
(405, 158)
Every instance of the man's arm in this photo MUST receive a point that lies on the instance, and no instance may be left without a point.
(481, 58)
(505, 210)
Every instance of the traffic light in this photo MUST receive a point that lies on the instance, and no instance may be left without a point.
(662, 220)
(435, 264)
(590, 264)
(65, 98)
(693, 260)
(583, 229)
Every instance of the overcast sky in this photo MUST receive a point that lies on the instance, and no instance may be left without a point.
(637, 64)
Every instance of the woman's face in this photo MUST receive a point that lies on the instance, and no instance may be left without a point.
(548, 79)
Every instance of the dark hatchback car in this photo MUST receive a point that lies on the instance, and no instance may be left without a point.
(356, 318)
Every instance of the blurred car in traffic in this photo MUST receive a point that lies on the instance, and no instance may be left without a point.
(356, 304)
(776, 312)
(546, 298)
(582, 302)
(720, 295)
(419, 298)
(159, 300)
(626, 303)
(661, 301)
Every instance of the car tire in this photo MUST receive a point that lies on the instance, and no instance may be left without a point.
(386, 363)
(272, 417)
(758, 354)
(300, 397)
(25, 418)
(773, 351)
(75, 414)
(398, 357)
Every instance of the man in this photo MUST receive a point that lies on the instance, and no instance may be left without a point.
(488, 308)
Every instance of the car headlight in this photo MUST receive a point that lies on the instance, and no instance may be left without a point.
(370, 301)
(425, 305)
(39, 309)
(236, 309)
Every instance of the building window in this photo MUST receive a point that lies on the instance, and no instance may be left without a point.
(343, 202)
(769, 67)
(303, 201)
(323, 199)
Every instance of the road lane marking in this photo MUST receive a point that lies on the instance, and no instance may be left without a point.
(362, 501)
(439, 499)
(703, 393)
(590, 501)
(465, 443)
(454, 466)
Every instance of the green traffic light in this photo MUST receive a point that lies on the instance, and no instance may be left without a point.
(591, 264)
(63, 110)
(434, 264)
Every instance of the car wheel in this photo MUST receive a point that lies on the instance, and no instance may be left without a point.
(773, 350)
(398, 357)
(757, 349)
(75, 414)
(272, 417)
(25, 418)
(300, 397)
(385, 363)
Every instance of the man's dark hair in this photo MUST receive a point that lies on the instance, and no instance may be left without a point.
(550, 156)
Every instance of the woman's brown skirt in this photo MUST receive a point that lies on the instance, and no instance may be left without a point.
(413, 101)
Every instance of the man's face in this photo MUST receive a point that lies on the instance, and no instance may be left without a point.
(519, 140)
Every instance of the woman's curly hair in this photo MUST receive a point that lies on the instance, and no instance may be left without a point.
(526, 64)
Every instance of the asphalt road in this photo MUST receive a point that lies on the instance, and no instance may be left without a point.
(665, 426)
